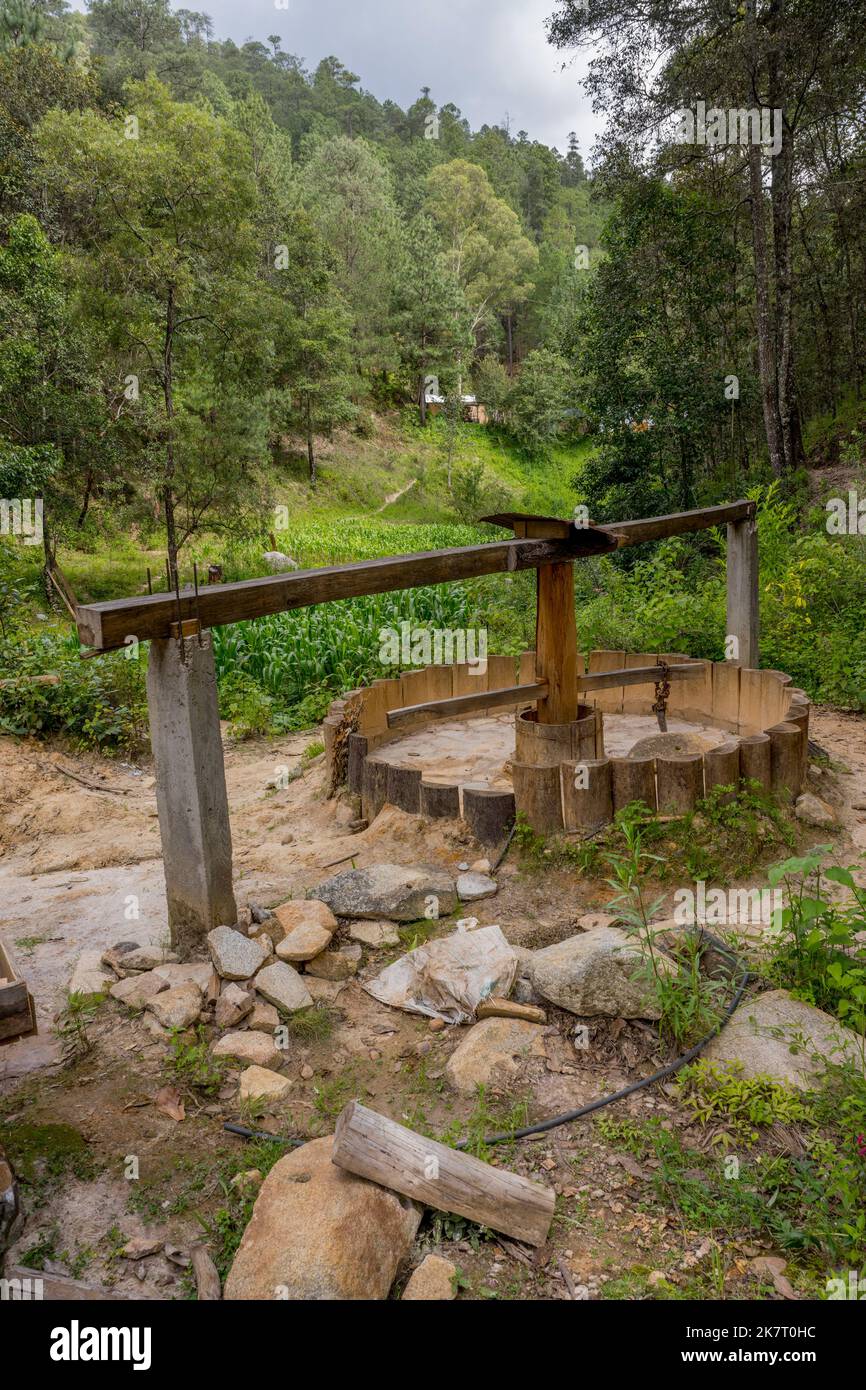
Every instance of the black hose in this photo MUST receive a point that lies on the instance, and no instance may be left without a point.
(599, 1104)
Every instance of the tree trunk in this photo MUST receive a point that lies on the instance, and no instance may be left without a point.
(781, 197)
(766, 355)
(168, 481)
(311, 453)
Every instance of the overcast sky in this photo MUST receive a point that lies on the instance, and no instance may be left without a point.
(490, 57)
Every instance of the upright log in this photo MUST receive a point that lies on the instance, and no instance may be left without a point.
(786, 758)
(375, 789)
(538, 796)
(755, 760)
(403, 788)
(556, 644)
(743, 589)
(634, 779)
(191, 794)
(357, 755)
(374, 1147)
(680, 782)
(587, 796)
(440, 801)
(722, 767)
(488, 812)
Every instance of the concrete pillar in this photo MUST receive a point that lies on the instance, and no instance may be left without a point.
(743, 590)
(190, 788)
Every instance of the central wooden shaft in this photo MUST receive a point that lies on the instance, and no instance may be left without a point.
(556, 644)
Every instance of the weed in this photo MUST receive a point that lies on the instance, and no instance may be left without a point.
(191, 1065)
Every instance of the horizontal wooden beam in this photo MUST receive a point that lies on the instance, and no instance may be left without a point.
(637, 675)
(656, 528)
(465, 704)
(109, 625)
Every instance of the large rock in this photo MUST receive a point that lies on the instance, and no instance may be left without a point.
(253, 1048)
(258, 1083)
(147, 957)
(90, 976)
(432, 1281)
(304, 942)
(200, 972)
(299, 912)
(763, 1031)
(235, 957)
(136, 990)
(283, 987)
(177, 1008)
(263, 1018)
(811, 810)
(232, 1006)
(472, 887)
(492, 1051)
(318, 1232)
(375, 933)
(336, 965)
(389, 890)
(597, 972)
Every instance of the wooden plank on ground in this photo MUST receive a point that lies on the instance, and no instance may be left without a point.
(374, 1147)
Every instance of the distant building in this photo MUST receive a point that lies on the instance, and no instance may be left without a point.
(473, 413)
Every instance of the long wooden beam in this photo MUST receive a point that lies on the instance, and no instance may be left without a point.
(656, 528)
(465, 704)
(109, 625)
(638, 675)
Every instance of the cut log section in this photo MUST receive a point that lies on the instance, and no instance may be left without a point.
(488, 812)
(722, 767)
(786, 758)
(680, 783)
(633, 779)
(382, 1151)
(440, 801)
(537, 796)
(404, 788)
(755, 760)
(587, 795)
(375, 792)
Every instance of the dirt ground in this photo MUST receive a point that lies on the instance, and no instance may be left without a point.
(80, 857)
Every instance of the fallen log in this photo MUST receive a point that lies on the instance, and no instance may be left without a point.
(374, 1147)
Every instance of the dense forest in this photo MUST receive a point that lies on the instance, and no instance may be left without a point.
(214, 261)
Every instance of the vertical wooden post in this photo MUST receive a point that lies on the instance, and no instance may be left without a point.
(190, 788)
(556, 643)
(743, 590)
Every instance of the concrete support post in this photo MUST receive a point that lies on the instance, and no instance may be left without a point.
(743, 591)
(190, 788)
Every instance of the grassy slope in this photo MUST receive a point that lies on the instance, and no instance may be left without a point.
(356, 477)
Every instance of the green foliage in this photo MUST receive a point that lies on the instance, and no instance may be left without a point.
(744, 1105)
(819, 951)
(689, 1004)
(191, 1065)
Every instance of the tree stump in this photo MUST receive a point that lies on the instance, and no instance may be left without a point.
(538, 796)
(440, 802)
(633, 779)
(722, 768)
(786, 758)
(755, 764)
(375, 791)
(488, 812)
(680, 783)
(587, 794)
(404, 788)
